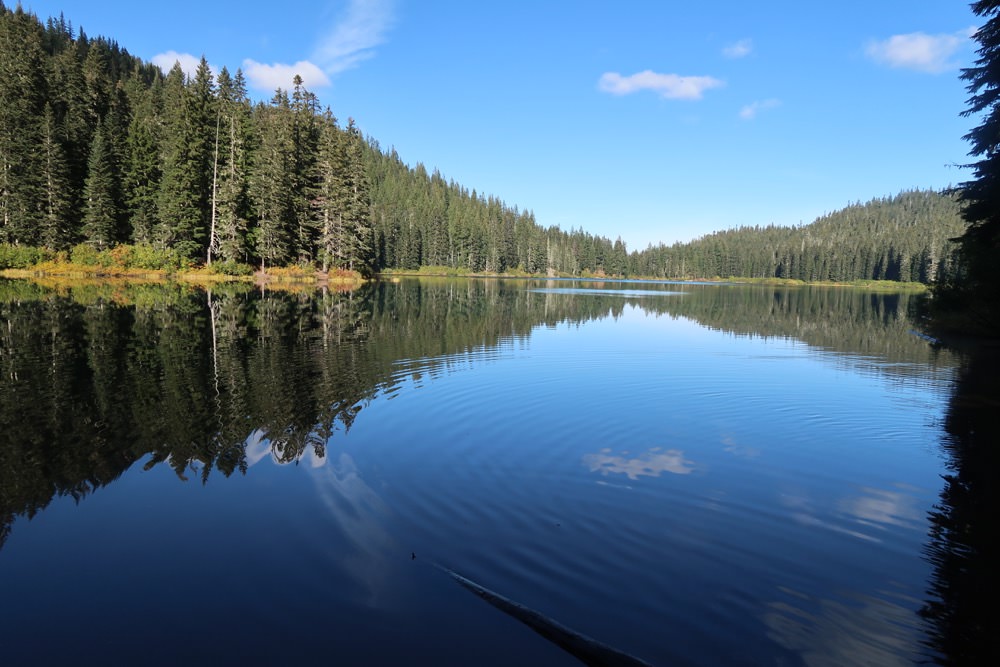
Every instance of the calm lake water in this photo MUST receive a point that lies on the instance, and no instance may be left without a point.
(691, 474)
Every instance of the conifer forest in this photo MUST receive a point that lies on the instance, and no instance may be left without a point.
(99, 149)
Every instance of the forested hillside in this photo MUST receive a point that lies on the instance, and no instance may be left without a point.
(904, 238)
(99, 148)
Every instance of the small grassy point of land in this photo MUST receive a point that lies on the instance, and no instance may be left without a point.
(84, 264)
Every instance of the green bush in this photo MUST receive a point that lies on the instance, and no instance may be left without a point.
(21, 257)
(84, 255)
(231, 268)
(143, 256)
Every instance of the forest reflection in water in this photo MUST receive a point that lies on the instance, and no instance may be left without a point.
(96, 379)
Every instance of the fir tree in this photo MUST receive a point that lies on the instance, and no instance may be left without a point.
(22, 104)
(978, 287)
(305, 170)
(100, 218)
(142, 172)
(271, 182)
(234, 144)
(56, 226)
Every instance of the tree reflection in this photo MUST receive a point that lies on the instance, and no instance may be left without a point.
(962, 612)
(97, 377)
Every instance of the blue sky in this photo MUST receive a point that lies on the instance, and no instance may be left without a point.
(655, 121)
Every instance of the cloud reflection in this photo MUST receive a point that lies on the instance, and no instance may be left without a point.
(651, 464)
(880, 508)
(357, 512)
(877, 509)
(864, 630)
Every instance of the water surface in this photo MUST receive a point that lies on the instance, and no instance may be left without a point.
(693, 474)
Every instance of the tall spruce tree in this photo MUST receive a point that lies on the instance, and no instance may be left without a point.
(55, 232)
(305, 170)
(101, 214)
(142, 173)
(360, 233)
(231, 205)
(978, 286)
(22, 105)
(332, 194)
(272, 180)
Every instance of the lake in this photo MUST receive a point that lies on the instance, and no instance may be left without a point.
(690, 474)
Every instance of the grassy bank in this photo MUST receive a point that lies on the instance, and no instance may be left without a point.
(140, 263)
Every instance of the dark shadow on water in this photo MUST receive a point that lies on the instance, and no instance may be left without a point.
(963, 609)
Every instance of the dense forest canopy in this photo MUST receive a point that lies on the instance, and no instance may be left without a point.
(99, 148)
(905, 238)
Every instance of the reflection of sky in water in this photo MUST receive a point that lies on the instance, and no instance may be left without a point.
(606, 292)
(358, 512)
(651, 464)
(829, 633)
(881, 508)
(355, 509)
(874, 508)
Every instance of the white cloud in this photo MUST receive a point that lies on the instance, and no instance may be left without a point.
(918, 51)
(271, 77)
(669, 86)
(352, 39)
(166, 62)
(740, 49)
(751, 110)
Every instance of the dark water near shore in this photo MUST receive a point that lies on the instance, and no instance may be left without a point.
(693, 474)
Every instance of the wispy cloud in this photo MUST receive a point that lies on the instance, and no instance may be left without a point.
(351, 40)
(669, 86)
(751, 110)
(740, 49)
(363, 27)
(919, 51)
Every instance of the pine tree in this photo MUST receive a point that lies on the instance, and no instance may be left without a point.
(142, 174)
(332, 194)
(979, 284)
(22, 105)
(230, 192)
(360, 234)
(101, 214)
(271, 182)
(56, 226)
(305, 170)
(183, 201)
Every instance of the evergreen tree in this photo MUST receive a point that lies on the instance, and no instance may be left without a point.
(184, 188)
(360, 255)
(231, 207)
(271, 182)
(56, 229)
(305, 170)
(332, 194)
(22, 106)
(142, 173)
(100, 218)
(977, 289)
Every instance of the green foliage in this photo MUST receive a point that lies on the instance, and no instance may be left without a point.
(906, 238)
(84, 255)
(140, 256)
(22, 257)
(970, 299)
(230, 268)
